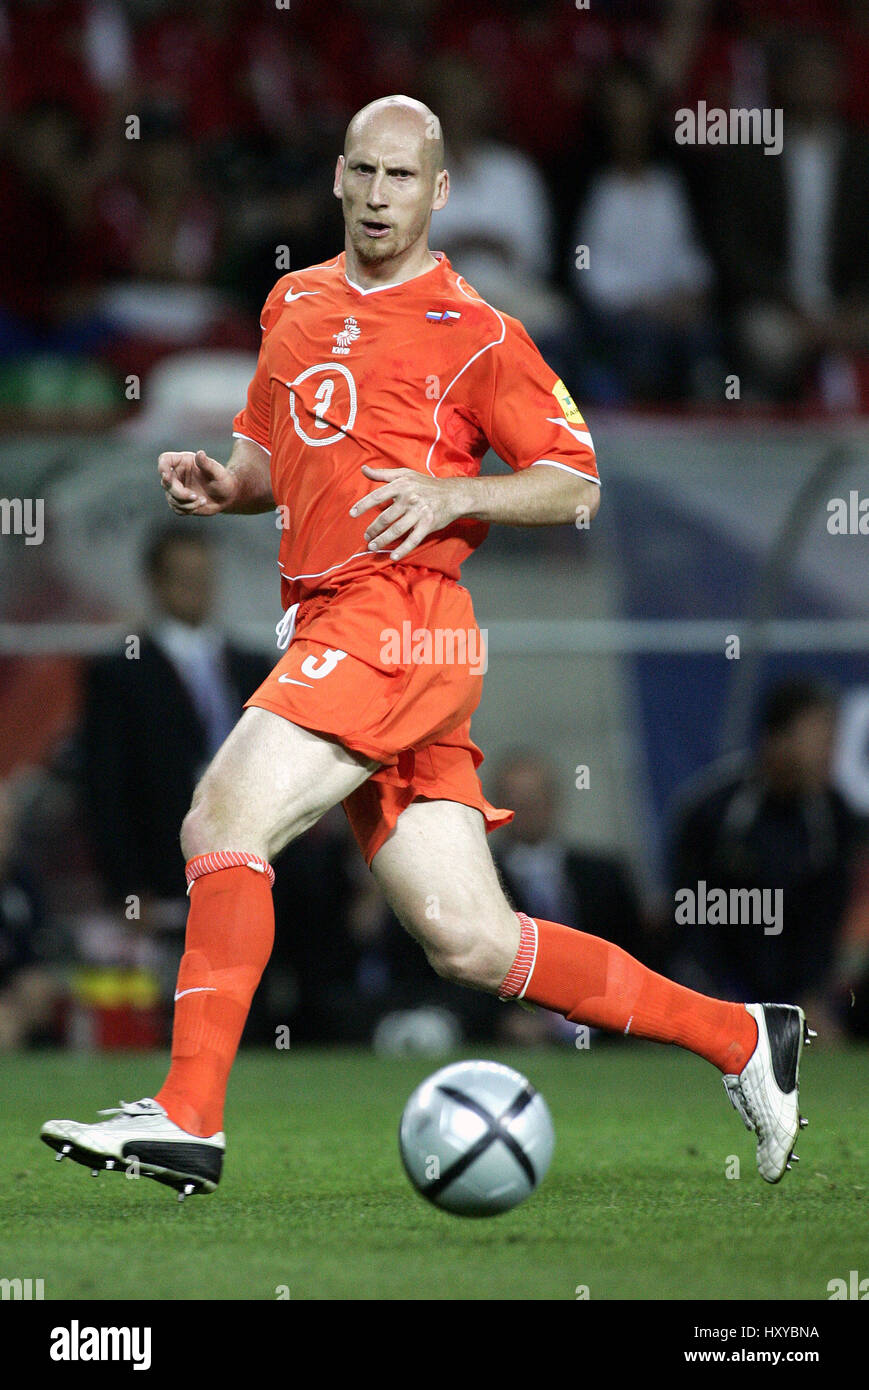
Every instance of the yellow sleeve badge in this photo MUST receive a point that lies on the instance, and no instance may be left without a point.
(569, 408)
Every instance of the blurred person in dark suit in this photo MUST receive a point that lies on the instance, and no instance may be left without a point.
(773, 821)
(791, 237)
(140, 765)
(556, 881)
(589, 891)
(151, 725)
(27, 991)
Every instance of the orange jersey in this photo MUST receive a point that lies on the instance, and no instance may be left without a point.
(424, 375)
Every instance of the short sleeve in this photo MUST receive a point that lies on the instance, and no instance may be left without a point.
(526, 412)
(253, 420)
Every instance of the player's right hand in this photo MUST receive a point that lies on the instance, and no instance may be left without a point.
(196, 485)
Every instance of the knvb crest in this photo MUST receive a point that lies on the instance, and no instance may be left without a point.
(347, 335)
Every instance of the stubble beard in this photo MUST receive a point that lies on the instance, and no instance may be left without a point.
(376, 252)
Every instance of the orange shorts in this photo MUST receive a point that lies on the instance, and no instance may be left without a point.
(391, 666)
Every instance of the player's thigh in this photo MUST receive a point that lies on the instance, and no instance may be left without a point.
(268, 782)
(437, 873)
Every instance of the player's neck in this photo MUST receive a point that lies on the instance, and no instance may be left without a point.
(394, 271)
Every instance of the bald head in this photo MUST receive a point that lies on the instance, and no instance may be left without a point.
(402, 118)
(390, 180)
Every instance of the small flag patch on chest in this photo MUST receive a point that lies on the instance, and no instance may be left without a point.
(442, 315)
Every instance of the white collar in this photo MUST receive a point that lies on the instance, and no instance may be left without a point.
(182, 643)
(393, 283)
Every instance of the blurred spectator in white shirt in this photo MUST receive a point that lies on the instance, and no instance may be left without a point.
(639, 270)
(497, 224)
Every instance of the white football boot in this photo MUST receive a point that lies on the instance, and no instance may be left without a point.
(141, 1139)
(767, 1090)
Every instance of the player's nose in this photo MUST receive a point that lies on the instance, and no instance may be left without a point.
(377, 192)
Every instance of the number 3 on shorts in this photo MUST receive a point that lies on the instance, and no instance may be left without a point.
(317, 667)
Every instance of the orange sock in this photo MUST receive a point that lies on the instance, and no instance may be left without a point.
(230, 933)
(591, 981)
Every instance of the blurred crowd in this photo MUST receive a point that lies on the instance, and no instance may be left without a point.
(163, 160)
(90, 944)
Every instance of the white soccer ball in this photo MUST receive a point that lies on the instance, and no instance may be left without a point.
(476, 1138)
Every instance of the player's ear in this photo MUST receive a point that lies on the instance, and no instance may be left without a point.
(339, 174)
(442, 190)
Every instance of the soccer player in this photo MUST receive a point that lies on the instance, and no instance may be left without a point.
(382, 379)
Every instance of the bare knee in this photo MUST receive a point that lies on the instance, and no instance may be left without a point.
(199, 835)
(477, 956)
(208, 827)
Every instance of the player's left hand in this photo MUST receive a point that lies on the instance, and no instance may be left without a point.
(420, 505)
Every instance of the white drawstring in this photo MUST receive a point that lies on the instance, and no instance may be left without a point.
(286, 627)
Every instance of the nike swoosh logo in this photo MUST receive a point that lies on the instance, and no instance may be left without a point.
(299, 294)
(198, 989)
(288, 680)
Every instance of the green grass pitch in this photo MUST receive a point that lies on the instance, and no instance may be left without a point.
(637, 1204)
